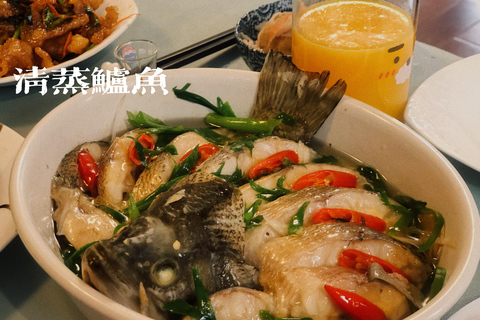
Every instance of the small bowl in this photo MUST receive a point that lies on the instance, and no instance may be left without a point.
(248, 27)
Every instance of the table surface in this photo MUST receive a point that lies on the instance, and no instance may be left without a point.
(26, 291)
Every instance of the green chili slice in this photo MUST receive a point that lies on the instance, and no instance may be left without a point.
(438, 281)
(437, 229)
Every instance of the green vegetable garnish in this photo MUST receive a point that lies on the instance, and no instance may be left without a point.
(266, 315)
(143, 204)
(325, 159)
(438, 281)
(186, 165)
(242, 124)
(246, 143)
(270, 194)
(234, 178)
(132, 209)
(249, 215)
(296, 224)
(73, 260)
(212, 136)
(204, 309)
(16, 35)
(409, 208)
(117, 215)
(222, 108)
(286, 118)
(140, 206)
(92, 15)
(152, 125)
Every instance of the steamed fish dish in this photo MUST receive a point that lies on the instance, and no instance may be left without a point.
(244, 219)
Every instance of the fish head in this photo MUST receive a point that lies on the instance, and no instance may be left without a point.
(148, 265)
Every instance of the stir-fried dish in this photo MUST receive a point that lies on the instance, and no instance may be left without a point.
(44, 33)
(243, 220)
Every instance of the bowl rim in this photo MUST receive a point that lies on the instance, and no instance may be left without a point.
(41, 252)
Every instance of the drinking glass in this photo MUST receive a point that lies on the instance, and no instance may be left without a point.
(367, 43)
(135, 55)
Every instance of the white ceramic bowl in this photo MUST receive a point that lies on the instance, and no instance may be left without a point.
(407, 160)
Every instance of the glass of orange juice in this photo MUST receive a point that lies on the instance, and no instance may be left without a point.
(367, 43)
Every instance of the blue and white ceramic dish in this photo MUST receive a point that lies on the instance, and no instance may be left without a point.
(249, 26)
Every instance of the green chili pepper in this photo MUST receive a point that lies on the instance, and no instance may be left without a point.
(242, 124)
(437, 228)
(438, 281)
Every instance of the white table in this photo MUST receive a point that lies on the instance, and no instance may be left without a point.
(26, 291)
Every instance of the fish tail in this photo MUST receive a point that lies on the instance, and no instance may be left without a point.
(283, 89)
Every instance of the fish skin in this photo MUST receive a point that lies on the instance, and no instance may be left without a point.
(282, 87)
(204, 215)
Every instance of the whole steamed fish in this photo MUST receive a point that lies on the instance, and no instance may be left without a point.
(198, 222)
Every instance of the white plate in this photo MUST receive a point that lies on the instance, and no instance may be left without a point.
(125, 7)
(445, 110)
(470, 312)
(10, 142)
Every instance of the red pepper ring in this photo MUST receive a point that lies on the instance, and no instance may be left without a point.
(147, 141)
(272, 163)
(340, 214)
(355, 305)
(330, 178)
(205, 151)
(360, 261)
(88, 171)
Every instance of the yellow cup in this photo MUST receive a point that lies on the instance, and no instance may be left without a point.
(367, 43)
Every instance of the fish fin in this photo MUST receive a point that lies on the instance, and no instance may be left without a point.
(283, 88)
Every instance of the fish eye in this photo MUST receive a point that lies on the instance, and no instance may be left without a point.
(164, 273)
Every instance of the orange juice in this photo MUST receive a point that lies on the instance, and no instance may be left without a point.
(369, 44)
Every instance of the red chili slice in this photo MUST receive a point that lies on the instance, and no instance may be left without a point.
(360, 261)
(330, 178)
(147, 141)
(272, 163)
(205, 151)
(340, 214)
(88, 171)
(355, 305)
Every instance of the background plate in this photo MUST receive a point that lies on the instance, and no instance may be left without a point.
(470, 312)
(445, 110)
(10, 142)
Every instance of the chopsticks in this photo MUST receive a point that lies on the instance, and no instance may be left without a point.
(198, 50)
